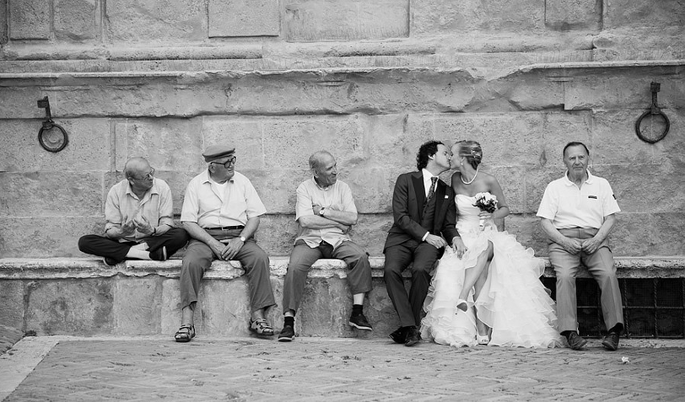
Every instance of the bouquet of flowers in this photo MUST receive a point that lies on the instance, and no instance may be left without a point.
(485, 202)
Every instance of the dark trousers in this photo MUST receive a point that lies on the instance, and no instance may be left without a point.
(174, 239)
(198, 258)
(302, 258)
(423, 257)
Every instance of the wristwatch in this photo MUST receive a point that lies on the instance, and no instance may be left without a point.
(242, 239)
(321, 212)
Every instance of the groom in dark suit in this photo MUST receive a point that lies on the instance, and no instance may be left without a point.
(423, 208)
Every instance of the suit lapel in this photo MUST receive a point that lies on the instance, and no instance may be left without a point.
(419, 192)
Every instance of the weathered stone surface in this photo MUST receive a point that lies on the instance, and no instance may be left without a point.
(76, 19)
(245, 134)
(436, 16)
(320, 20)
(12, 312)
(84, 307)
(29, 19)
(276, 234)
(3, 22)
(565, 15)
(88, 147)
(168, 144)
(244, 18)
(48, 193)
(635, 13)
(137, 306)
(45, 236)
(156, 21)
(649, 234)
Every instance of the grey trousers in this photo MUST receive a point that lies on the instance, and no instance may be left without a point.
(198, 258)
(600, 265)
(302, 258)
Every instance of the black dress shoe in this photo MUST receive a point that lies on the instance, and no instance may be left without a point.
(413, 337)
(575, 341)
(400, 335)
(610, 342)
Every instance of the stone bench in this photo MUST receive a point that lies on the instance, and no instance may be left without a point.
(83, 296)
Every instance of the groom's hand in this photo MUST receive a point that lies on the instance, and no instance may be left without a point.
(436, 241)
(572, 246)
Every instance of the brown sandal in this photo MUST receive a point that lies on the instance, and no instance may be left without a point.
(185, 333)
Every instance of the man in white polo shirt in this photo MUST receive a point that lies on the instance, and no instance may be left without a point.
(325, 211)
(577, 214)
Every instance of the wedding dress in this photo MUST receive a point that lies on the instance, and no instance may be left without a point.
(513, 301)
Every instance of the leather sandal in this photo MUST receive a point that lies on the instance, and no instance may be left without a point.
(261, 327)
(185, 333)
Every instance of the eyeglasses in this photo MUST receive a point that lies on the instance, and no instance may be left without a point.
(228, 163)
(148, 176)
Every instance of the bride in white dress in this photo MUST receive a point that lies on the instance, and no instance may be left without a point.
(488, 290)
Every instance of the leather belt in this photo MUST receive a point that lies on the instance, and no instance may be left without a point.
(227, 228)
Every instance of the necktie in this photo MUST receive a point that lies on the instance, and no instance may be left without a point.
(431, 193)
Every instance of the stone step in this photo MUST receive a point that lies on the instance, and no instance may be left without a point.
(83, 296)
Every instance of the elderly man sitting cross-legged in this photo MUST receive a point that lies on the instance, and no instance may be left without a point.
(139, 219)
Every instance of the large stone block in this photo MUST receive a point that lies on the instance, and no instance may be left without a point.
(82, 308)
(29, 19)
(12, 311)
(635, 194)
(156, 21)
(76, 19)
(440, 17)
(245, 134)
(43, 237)
(566, 15)
(3, 22)
(277, 188)
(276, 234)
(636, 13)
(244, 18)
(615, 140)
(292, 140)
(321, 20)
(88, 147)
(644, 234)
(137, 308)
(168, 144)
(46, 194)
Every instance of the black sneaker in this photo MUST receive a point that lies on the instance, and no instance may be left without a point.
(575, 341)
(287, 334)
(110, 262)
(159, 254)
(359, 321)
(610, 342)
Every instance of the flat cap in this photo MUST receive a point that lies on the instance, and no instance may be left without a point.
(214, 152)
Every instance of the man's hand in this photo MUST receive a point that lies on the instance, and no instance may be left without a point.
(143, 226)
(591, 245)
(458, 246)
(573, 246)
(128, 228)
(436, 241)
(232, 247)
(344, 228)
(316, 208)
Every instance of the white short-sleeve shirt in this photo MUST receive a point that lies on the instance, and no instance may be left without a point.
(568, 206)
(212, 205)
(337, 196)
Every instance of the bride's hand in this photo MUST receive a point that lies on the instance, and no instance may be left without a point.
(485, 215)
(458, 246)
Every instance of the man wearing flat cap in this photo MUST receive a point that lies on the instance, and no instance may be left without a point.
(221, 211)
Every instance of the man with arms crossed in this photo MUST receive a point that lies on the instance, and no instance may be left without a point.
(325, 211)
(577, 214)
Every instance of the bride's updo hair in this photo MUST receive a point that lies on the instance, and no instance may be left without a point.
(472, 151)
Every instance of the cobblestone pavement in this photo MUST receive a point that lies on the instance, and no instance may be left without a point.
(251, 369)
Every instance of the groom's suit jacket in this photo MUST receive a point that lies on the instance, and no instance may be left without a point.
(408, 200)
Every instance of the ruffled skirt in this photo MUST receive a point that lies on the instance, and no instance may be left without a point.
(513, 301)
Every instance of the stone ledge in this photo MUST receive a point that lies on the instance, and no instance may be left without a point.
(61, 268)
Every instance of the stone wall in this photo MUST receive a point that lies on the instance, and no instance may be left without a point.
(369, 81)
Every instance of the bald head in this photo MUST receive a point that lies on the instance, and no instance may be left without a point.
(136, 168)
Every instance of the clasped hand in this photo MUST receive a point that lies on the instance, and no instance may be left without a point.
(142, 225)
(575, 246)
(226, 251)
